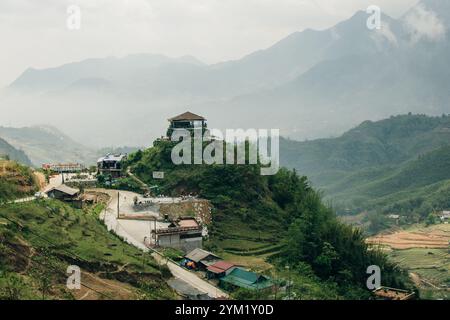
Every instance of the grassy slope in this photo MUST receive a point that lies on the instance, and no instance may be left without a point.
(388, 142)
(16, 181)
(397, 165)
(54, 236)
(419, 186)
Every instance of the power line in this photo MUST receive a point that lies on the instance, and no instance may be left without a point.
(43, 238)
(58, 271)
(52, 243)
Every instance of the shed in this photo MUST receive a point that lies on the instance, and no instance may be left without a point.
(63, 192)
(202, 258)
(219, 269)
(246, 279)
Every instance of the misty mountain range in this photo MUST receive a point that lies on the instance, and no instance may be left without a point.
(311, 84)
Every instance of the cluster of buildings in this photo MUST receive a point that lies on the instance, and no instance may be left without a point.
(183, 233)
(63, 167)
(225, 273)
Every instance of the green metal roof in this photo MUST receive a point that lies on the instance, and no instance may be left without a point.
(246, 279)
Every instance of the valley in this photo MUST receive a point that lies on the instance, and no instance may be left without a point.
(95, 185)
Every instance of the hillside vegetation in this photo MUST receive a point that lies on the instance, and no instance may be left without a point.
(16, 181)
(397, 165)
(39, 240)
(279, 217)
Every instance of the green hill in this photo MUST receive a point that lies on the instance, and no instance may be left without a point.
(397, 165)
(415, 188)
(388, 142)
(279, 217)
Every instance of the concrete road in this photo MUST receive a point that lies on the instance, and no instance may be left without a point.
(134, 232)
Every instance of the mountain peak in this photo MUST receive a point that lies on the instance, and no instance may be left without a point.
(437, 8)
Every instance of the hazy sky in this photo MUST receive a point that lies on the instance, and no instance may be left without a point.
(34, 33)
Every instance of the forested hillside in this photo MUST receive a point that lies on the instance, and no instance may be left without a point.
(397, 165)
(281, 210)
(371, 144)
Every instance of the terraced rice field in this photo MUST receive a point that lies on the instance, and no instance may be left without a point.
(437, 236)
(424, 252)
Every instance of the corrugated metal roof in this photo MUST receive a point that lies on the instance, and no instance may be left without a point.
(65, 189)
(220, 266)
(246, 279)
(198, 254)
(188, 223)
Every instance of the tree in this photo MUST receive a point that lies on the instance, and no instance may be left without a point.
(101, 179)
(430, 220)
(324, 262)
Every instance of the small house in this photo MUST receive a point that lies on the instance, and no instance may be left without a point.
(202, 258)
(219, 269)
(65, 193)
(241, 278)
(445, 216)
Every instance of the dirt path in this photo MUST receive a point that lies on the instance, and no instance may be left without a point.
(105, 288)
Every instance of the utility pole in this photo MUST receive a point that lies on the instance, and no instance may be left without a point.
(154, 221)
(118, 204)
(289, 282)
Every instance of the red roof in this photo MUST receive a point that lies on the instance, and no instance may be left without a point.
(220, 266)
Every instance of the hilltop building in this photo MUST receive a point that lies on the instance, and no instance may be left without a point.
(189, 121)
(111, 165)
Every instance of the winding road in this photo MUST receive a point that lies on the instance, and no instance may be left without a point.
(134, 232)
